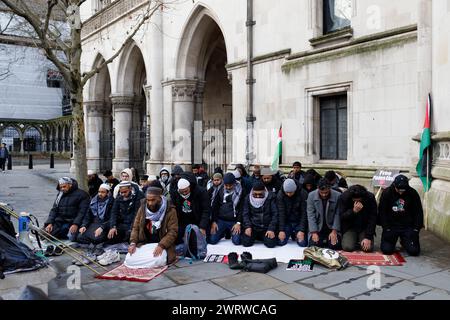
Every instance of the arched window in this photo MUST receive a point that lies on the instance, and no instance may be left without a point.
(32, 140)
(11, 138)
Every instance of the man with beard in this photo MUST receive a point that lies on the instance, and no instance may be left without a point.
(271, 180)
(123, 212)
(293, 221)
(95, 225)
(227, 211)
(68, 211)
(323, 217)
(164, 179)
(260, 217)
(155, 230)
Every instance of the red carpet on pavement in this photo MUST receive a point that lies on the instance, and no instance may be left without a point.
(360, 258)
(136, 275)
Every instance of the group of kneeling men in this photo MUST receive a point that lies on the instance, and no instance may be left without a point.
(235, 205)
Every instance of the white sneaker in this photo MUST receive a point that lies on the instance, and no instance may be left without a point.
(110, 257)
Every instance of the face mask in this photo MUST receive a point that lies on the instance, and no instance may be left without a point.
(185, 196)
(164, 179)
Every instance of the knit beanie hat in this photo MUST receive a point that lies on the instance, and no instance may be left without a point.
(289, 186)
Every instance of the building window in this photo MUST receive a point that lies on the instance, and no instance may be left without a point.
(333, 128)
(336, 15)
(54, 79)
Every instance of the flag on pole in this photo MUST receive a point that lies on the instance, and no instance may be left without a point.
(424, 166)
(278, 150)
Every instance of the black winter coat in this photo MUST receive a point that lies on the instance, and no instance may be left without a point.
(89, 217)
(275, 186)
(364, 221)
(293, 210)
(225, 210)
(413, 214)
(196, 208)
(261, 219)
(124, 211)
(71, 208)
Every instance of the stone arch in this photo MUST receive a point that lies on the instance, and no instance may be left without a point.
(194, 50)
(132, 73)
(32, 138)
(100, 84)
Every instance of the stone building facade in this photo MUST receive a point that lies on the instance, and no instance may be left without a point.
(347, 80)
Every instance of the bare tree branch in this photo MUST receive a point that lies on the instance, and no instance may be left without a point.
(87, 75)
(22, 10)
(51, 4)
(2, 30)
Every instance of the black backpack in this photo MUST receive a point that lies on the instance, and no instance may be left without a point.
(16, 256)
(6, 224)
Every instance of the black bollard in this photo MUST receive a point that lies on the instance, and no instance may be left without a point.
(52, 161)
(30, 161)
(9, 162)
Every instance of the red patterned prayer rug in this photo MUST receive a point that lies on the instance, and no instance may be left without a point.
(137, 275)
(360, 258)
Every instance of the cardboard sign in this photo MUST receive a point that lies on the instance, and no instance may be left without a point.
(384, 178)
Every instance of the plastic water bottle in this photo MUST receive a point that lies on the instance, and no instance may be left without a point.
(24, 229)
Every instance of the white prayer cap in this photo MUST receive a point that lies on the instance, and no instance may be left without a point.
(105, 186)
(90, 172)
(183, 184)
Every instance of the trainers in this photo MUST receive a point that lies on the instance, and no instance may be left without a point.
(109, 257)
(101, 255)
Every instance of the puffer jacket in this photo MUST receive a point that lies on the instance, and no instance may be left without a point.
(124, 211)
(264, 218)
(293, 209)
(225, 210)
(72, 207)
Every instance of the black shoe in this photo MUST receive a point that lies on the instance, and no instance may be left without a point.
(246, 256)
(58, 251)
(233, 262)
(49, 251)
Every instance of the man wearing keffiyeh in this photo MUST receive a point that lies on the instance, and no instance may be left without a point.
(155, 227)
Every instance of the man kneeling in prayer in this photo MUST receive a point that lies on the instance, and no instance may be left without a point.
(154, 233)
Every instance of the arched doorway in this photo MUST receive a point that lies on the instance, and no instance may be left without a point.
(11, 137)
(32, 140)
(132, 78)
(99, 126)
(202, 57)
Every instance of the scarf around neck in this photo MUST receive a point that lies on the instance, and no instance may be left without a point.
(98, 207)
(157, 217)
(258, 202)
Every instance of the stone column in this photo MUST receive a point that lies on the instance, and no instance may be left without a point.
(95, 111)
(198, 122)
(183, 114)
(155, 101)
(122, 108)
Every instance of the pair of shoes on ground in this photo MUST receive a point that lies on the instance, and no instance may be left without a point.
(234, 263)
(84, 260)
(54, 251)
(109, 257)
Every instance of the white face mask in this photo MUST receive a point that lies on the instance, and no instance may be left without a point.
(164, 179)
(185, 196)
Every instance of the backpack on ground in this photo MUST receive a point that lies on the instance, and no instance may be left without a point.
(5, 223)
(194, 243)
(16, 256)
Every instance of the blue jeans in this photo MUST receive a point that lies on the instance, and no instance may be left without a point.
(223, 226)
(292, 233)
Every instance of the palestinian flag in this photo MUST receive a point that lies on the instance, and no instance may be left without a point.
(424, 166)
(276, 158)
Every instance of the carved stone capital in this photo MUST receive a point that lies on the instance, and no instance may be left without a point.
(122, 103)
(96, 108)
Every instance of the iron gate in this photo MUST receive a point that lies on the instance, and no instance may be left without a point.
(106, 150)
(138, 149)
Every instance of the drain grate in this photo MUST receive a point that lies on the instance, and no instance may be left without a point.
(24, 187)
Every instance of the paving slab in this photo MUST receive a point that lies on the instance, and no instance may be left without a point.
(204, 290)
(359, 286)
(270, 294)
(135, 297)
(188, 262)
(111, 289)
(288, 276)
(435, 294)
(64, 294)
(199, 272)
(244, 283)
(440, 280)
(325, 280)
(301, 292)
(404, 290)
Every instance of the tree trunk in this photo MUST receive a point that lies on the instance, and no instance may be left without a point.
(79, 139)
